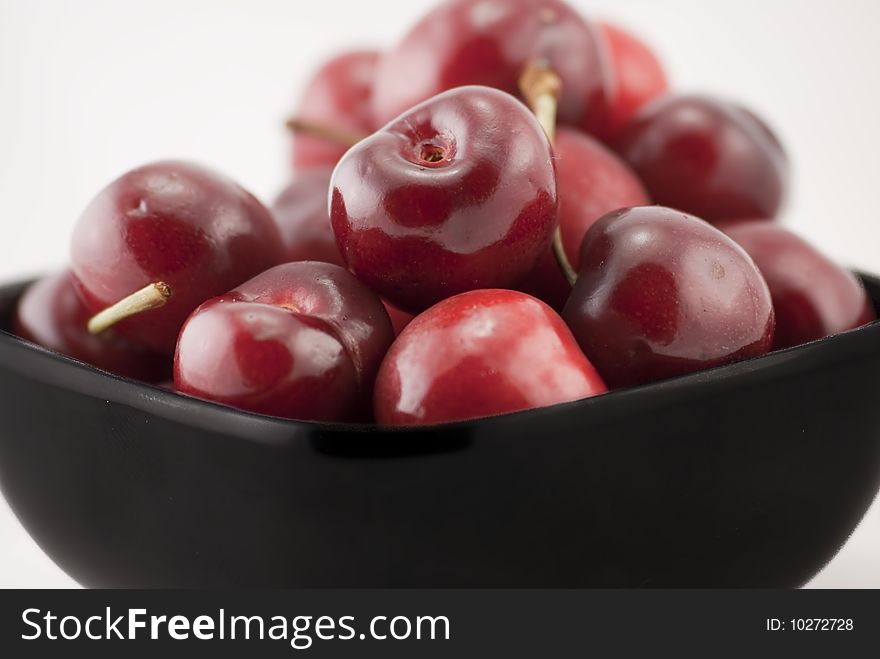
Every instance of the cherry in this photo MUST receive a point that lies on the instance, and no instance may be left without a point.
(478, 354)
(490, 42)
(162, 239)
(638, 75)
(457, 194)
(813, 297)
(51, 314)
(707, 157)
(302, 340)
(591, 181)
(662, 293)
(338, 95)
(303, 220)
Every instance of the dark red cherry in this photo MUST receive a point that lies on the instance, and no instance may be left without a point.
(479, 354)
(459, 193)
(302, 340)
(338, 95)
(51, 314)
(591, 181)
(490, 42)
(707, 157)
(661, 293)
(813, 297)
(303, 219)
(195, 231)
(638, 75)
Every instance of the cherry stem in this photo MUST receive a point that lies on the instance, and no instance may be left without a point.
(340, 136)
(149, 297)
(541, 87)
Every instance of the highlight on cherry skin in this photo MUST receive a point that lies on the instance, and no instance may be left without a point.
(591, 180)
(491, 42)
(177, 231)
(50, 314)
(661, 293)
(707, 157)
(813, 297)
(479, 354)
(457, 194)
(302, 340)
(338, 97)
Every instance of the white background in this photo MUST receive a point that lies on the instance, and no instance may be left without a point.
(89, 89)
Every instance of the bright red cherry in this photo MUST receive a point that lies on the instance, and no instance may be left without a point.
(339, 96)
(302, 340)
(590, 181)
(178, 231)
(661, 293)
(638, 75)
(303, 220)
(459, 193)
(813, 297)
(491, 42)
(51, 314)
(707, 157)
(479, 354)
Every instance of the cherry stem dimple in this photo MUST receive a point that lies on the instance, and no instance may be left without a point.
(432, 153)
(151, 296)
(340, 136)
(541, 87)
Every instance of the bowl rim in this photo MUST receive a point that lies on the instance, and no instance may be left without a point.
(218, 417)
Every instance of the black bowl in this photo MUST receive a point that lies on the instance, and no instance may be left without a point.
(752, 474)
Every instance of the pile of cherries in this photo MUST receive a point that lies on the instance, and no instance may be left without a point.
(444, 250)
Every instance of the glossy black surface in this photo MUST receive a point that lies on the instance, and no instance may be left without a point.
(748, 475)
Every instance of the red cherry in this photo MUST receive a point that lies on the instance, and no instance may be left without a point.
(188, 228)
(478, 354)
(638, 74)
(813, 297)
(303, 340)
(457, 194)
(51, 314)
(661, 293)
(490, 42)
(707, 157)
(591, 181)
(338, 95)
(303, 220)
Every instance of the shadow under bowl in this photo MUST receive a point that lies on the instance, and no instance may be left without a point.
(748, 475)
